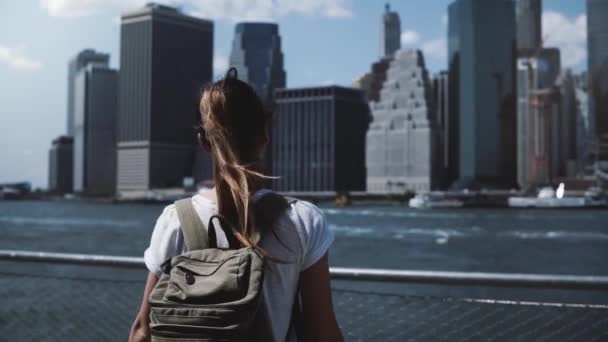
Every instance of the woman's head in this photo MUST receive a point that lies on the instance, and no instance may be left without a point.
(234, 128)
(233, 115)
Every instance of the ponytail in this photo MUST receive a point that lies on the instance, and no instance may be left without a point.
(234, 124)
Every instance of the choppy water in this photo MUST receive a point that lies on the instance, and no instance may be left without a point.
(496, 240)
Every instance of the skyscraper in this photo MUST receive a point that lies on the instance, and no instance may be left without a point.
(390, 42)
(256, 54)
(569, 126)
(61, 165)
(319, 139)
(446, 148)
(95, 105)
(82, 59)
(529, 28)
(390, 32)
(481, 44)
(166, 58)
(597, 45)
(371, 82)
(400, 140)
(584, 131)
(538, 118)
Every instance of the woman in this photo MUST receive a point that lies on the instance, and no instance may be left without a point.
(234, 131)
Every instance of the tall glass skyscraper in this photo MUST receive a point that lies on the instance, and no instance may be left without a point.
(95, 130)
(529, 28)
(597, 39)
(256, 54)
(390, 33)
(481, 50)
(166, 58)
(82, 59)
(538, 123)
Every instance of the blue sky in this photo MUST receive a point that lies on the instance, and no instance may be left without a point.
(324, 42)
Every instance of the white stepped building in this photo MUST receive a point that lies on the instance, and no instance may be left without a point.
(400, 138)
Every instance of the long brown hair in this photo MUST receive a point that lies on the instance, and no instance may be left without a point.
(234, 128)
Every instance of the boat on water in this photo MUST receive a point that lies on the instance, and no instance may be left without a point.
(431, 200)
(549, 198)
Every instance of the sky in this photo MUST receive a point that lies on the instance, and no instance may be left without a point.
(324, 42)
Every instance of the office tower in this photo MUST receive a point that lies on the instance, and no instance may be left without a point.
(390, 33)
(537, 118)
(584, 133)
(568, 126)
(319, 139)
(481, 44)
(528, 19)
(371, 82)
(165, 60)
(400, 138)
(446, 148)
(390, 41)
(256, 54)
(60, 165)
(95, 106)
(597, 45)
(454, 94)
(82, 59)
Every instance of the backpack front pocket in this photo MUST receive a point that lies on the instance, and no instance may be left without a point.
(199, 282)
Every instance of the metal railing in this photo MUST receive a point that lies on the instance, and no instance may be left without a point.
(567, 282)
(74, 303)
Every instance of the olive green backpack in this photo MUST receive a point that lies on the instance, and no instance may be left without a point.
(208, 293)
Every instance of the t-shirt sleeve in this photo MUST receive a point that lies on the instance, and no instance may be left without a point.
(317, 237)
(165, 241)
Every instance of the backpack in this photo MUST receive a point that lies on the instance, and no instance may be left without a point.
(211, 294)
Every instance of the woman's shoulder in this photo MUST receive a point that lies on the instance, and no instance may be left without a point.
(306, 210)
(313, 230)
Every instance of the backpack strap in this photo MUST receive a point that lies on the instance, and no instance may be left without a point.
(296, 323)
(194, 231)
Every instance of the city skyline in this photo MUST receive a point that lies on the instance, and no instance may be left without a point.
(47, 114)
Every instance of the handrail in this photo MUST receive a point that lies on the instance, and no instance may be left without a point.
(510, 280)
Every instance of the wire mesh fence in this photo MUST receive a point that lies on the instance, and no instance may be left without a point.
(51, 303)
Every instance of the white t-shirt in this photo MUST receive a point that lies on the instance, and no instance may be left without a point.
(301, 238)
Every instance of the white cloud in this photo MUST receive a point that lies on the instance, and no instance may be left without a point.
(569, 35)
(436, 48)
(255, 10)
(409, 37)
(15, 58)
(82, 8)
(220, 64)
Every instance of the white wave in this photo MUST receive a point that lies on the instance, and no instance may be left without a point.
(405, 213)
(398, 233)
(61, 221)
(351, 231)
(559, 235)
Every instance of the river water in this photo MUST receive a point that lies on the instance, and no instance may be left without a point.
(487, 240)
(392, 237)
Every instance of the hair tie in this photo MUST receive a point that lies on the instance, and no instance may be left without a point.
(231, 73)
